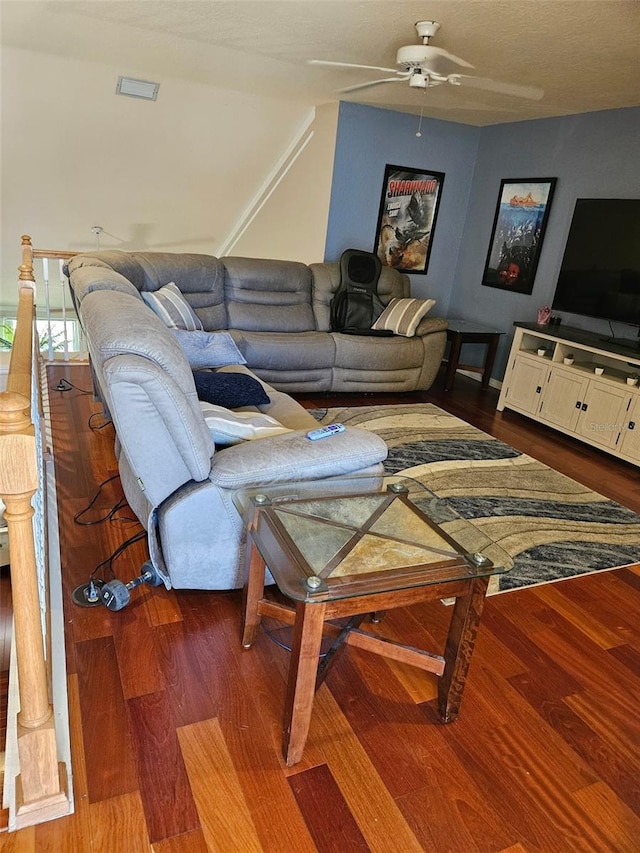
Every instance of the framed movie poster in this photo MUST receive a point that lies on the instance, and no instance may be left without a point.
(407, 218)
(518, 230)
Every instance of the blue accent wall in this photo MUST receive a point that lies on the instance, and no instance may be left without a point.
(593, 155)
(368, 139)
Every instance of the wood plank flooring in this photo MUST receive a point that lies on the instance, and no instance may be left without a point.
(176, 728)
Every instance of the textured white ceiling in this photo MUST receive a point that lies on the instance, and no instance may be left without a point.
(583, 53)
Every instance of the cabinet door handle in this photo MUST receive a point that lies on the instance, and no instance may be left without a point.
(539, 389)
(632, 425)
(584, 407)
(578, 404)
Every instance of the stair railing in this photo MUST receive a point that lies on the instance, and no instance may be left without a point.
(41, 787)
(54, 289)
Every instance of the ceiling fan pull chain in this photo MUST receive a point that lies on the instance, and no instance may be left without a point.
(419, 130)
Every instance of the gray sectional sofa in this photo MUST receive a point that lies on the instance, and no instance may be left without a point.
(179, 484)
(278, 313)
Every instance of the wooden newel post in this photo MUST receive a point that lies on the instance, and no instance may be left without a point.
(25, 269)
(41, 784)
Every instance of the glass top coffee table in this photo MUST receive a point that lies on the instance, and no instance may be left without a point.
(351, 547)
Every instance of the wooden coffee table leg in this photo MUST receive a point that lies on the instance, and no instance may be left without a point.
(307, 638)
(461, 639)
(253, 592)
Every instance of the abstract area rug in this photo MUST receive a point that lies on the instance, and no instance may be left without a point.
(551, 526)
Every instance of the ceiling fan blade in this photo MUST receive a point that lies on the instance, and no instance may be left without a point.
(531, 93)
(349, 65)
(441, 52)
(371, 83)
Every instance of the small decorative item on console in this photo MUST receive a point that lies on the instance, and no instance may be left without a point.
(568, 359)
(542, 351)
(632, 379)
(598, 370)
(544, 315)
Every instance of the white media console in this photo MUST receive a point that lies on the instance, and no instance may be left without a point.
(576, 382)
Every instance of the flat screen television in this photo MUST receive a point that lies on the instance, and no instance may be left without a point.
(600, 273)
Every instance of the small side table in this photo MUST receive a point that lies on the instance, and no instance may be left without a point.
(351, 546)
(467, 332)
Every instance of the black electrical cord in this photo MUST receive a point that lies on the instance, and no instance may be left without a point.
(65, 385)
(106, 423)
(129, 518)
(114, 509)
(119, 550)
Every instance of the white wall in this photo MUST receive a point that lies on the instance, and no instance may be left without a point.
(174, 175)
(289, 218)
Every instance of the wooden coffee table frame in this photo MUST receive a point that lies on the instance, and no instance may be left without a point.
(309, 623)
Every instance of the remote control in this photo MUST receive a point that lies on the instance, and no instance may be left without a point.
(324, 432)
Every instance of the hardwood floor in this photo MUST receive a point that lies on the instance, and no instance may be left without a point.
(176, 728)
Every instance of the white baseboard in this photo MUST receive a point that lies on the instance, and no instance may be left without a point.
(494, 383)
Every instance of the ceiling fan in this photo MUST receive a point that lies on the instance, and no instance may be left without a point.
(424, 66)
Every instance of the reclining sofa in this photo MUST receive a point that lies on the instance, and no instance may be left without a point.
(177, 481)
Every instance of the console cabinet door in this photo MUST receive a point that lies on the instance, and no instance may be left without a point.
(563, 398)
(630, 443)
(525, 383)
(603, 414)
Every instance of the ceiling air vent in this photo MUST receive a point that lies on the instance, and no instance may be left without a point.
(137, 88)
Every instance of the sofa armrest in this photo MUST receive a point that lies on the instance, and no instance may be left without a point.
(294, 457)
(429, 325)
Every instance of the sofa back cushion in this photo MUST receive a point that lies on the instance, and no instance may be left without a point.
(124, 263)
(200, 278)
(268, 296)
(148, 386)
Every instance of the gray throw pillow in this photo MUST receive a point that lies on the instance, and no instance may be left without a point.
(208, 349)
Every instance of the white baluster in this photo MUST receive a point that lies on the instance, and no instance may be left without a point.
(45, 276)
(63, 284)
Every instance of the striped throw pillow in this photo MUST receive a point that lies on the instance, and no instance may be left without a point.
(401, 316)
(172, 308)
(227, 427)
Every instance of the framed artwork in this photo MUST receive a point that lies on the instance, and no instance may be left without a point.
(407, 218)
(518, 231)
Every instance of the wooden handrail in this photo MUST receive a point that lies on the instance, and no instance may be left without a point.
(28, 279)
(41, 786)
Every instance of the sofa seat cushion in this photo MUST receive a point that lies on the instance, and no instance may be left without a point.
(231, 390)
(294, 457)
(377, 354)
(287, 350)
